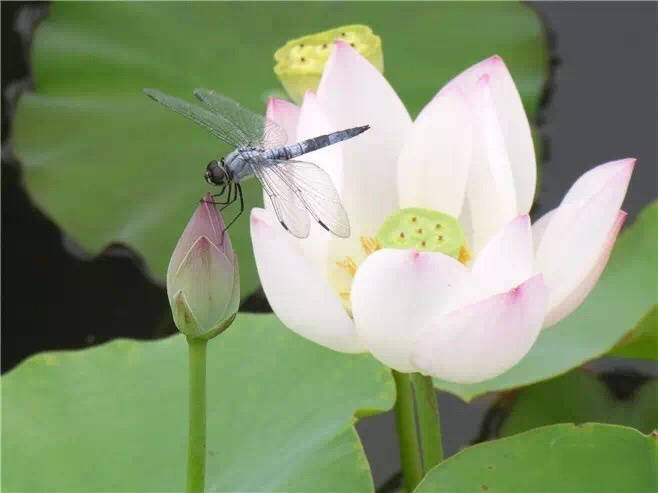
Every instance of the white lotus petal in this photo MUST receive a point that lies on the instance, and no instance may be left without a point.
(513, 123)
(574, 298)
(285, 114)
(435, 159)
(483, 340)
(352, 92)
(578, 229)
(298, 294)
(397, 292)
(490, 188)
(506, 260)
(592, 181)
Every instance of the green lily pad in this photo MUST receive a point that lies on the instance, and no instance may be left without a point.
(109, 165)
(579, 397)
(642, 341)
(623, 297)
(560, 458)
(113, 418)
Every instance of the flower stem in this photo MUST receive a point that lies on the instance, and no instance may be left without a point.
(196, 452)
(412, 466)
(428, 420)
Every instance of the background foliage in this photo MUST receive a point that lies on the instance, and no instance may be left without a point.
(108, 165)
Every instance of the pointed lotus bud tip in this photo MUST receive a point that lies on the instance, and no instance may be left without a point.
(300, 61)
(495, 59)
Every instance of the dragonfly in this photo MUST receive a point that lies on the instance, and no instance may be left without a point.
(296, 188)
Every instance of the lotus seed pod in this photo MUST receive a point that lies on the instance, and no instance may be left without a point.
(423, 230)
(300, 62)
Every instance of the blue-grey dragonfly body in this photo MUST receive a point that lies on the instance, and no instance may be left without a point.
(295, 188)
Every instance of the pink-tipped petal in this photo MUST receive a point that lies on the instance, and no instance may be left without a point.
(354, 93)
(513, 122)
(286, 114)
(582, 290)
(397, 292)
(485, 339)
(490, 188)
(506, 260)
(578, 230)
(435, 159)
(206, 221)
(298, 294)
(594, 180)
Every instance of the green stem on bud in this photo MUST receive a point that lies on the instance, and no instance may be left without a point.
(410, 458)
(429, 425)
(196, 455)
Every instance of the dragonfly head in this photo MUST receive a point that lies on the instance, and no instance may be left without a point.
(216, 173)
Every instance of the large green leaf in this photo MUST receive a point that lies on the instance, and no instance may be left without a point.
(624, 296)
(109, 165)
(113, 418)
(562, 458)
(579, 397)
(642, 341)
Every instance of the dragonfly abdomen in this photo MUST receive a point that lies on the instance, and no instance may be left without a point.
(315, 143)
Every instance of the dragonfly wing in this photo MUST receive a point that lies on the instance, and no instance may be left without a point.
(260, 132)
(213, 123)
(289, 209)
(317, 193)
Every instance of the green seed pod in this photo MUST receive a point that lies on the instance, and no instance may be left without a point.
(300, 62)
(423, 230)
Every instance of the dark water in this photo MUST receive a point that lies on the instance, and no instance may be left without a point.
(600, 106)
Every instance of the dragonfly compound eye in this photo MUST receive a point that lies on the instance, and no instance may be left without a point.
(216, 173)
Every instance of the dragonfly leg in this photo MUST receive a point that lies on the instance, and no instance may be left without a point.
(221, 192)
(238, 189)
(219, 202)
(229, 199)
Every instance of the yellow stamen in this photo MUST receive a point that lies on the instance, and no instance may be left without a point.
(464, 254)
(369, 244)
(349, 264)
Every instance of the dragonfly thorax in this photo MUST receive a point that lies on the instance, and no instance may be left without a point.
(216, 173)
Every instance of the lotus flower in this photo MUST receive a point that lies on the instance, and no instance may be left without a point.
(203, 281)
(466, 167)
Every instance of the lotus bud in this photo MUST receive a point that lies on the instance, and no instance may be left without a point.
(203, 281)
(300, 62)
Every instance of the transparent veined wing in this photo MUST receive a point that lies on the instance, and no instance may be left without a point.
(312, 186)
(289, 209)
(220, 127)
(260, 132)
